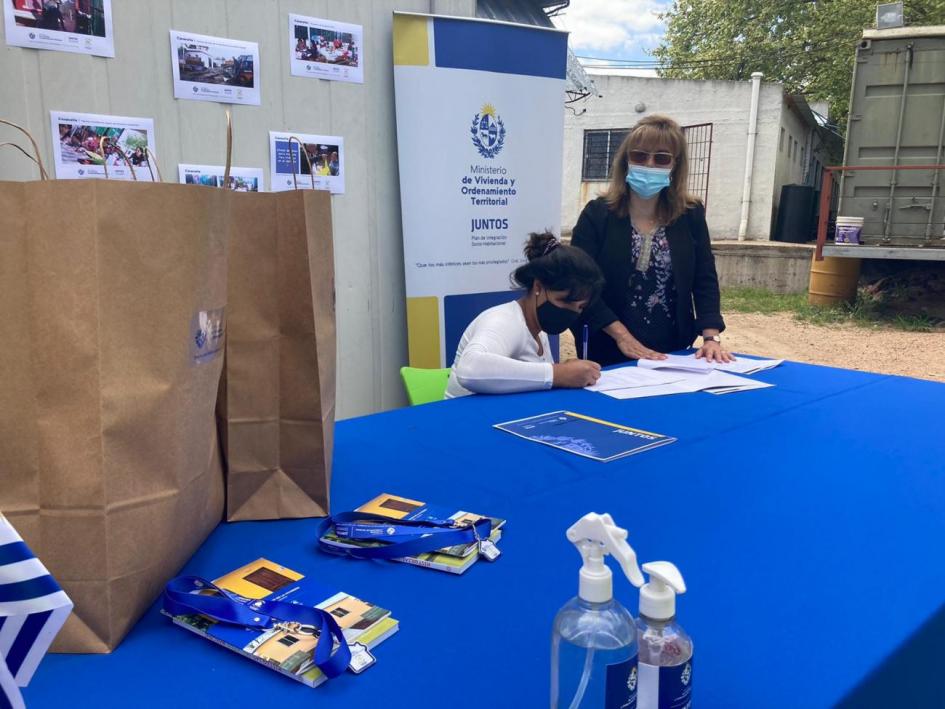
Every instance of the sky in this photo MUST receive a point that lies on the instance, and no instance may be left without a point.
(613, 29)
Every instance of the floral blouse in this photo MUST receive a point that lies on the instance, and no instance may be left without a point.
(650, 308)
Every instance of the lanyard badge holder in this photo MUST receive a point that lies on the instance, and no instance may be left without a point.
(407, 537)
(188, 595)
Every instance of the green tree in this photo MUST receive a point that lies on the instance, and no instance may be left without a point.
(136, 139)
(808, 45)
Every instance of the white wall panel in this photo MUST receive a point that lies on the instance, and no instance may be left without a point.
(372, 341)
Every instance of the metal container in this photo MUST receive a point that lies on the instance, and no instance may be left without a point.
(897, 117)
(833, 281)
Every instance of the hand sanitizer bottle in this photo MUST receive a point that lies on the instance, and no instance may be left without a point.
(665, 649)
(594, 640)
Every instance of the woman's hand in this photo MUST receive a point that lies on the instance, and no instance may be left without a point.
(576, 374)
(712, 351)
(632, 348)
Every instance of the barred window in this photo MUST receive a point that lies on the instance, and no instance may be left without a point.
(699, 142)
(600, 146)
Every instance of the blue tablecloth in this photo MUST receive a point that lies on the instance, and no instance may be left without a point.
(808, 520)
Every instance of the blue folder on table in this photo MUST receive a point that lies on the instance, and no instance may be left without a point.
(585, 436)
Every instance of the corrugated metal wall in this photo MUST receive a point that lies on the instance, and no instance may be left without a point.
(137, 82)
(897, 117)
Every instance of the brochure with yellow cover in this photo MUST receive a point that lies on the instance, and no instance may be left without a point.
(288, 647)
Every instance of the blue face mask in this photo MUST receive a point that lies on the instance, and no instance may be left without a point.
(648, 181)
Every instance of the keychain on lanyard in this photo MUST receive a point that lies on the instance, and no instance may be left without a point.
(407, 537)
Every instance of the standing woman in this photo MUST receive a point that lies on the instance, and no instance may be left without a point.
(649, 237)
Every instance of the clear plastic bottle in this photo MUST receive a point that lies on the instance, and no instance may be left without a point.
(663, 642)
(593, 656)
(665, 660)
(593, 640)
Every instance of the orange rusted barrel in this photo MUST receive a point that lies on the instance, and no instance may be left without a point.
(833, 280)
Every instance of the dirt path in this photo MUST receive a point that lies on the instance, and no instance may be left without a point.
(912, 354)
(888, 351)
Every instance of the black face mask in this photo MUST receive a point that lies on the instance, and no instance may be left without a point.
(554, 319)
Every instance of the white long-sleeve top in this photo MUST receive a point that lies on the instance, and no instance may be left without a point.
(498, 355)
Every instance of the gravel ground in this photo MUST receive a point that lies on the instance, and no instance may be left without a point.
(779, 335)
(885, 350)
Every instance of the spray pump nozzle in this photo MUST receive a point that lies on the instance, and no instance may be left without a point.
(595, 536)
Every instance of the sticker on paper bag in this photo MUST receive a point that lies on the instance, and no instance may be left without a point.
(207, 331)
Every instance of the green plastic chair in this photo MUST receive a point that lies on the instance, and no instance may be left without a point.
(424, 385)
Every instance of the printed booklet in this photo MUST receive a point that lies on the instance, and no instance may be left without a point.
(288, 647)
(455, 559)
(585, 436)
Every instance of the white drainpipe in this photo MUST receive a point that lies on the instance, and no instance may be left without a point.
(750, 154)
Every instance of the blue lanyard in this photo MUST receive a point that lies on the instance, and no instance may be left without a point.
(227, 607)
(406, 537)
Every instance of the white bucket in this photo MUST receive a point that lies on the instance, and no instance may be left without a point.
(848, 230)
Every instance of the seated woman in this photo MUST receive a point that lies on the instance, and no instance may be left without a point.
(650, 238)
(505, 349)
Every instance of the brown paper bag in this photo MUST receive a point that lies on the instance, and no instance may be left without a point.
(277, 403)
(111, 320)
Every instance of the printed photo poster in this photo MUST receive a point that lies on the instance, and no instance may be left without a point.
(214, 68)
(323, 49)
(326, 153)
(81, 153)
(80, 26)
(242, 179)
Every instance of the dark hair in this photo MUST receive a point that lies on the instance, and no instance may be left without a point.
(559, 267)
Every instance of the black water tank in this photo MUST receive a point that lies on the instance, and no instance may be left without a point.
(795, 214)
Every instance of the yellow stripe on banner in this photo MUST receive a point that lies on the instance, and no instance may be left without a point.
(611, 423)
(411, 43)
(423, 332)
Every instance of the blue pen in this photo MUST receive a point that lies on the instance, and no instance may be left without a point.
(585, 341)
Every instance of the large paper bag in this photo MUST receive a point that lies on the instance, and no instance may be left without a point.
(112, 297)
(277, 403)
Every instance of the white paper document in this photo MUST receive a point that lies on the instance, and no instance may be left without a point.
(625, 383)
(633, 377)
(80, 27)
(89, 145)
(214, 68)
(242, 179)
(320, 167)
(726, 383)
(689, 363)
(325, 49)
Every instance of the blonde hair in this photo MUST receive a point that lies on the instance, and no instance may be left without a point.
(653, 133)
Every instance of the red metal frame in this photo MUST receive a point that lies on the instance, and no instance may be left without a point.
(827, 188)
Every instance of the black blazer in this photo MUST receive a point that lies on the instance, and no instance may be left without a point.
(606, 238)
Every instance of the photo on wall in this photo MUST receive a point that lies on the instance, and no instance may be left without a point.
(325, 155)
(214, 68)
(80, 26)
(323, 49)
(242, 179)
(84, 144)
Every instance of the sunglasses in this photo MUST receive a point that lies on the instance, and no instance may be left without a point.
(640, 157)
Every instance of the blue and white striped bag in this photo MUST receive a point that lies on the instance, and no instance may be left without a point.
(32, 610)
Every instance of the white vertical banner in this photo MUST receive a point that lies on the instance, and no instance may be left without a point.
(480, 125)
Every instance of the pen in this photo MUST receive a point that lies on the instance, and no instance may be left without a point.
(585, 341)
